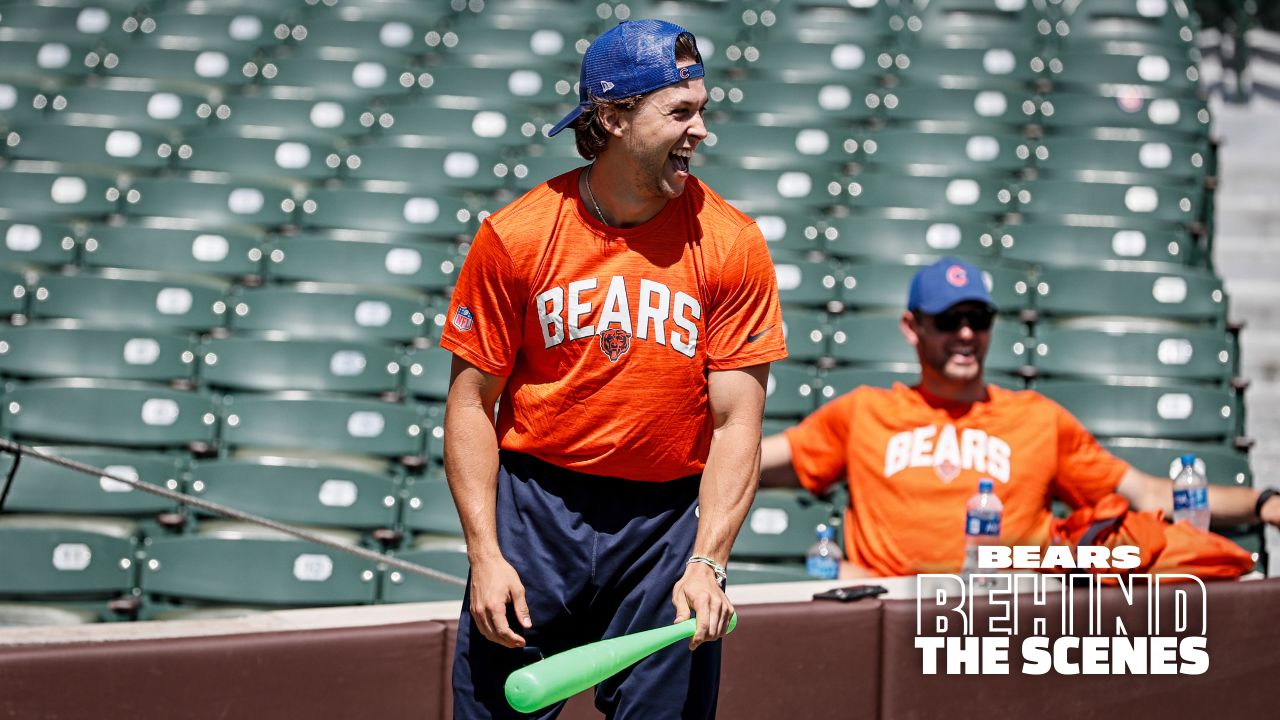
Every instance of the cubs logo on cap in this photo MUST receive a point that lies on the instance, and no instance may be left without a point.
(633, 58)
(948, 282)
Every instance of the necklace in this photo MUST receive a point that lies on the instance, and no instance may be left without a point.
(599, 212)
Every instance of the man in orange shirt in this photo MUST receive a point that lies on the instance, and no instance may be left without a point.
(626, 316)
(913, 455)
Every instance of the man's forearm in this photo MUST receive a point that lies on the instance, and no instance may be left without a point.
(1232, 505)
(471, 465)
(728, 486)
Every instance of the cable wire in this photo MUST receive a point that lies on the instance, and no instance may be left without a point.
(18, 450)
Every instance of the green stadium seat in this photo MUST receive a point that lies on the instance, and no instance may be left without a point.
(402, 213)
(238, 32)
(422, 266)
(980, 23)
(459, 128)
(108, 413)
(1182, 412)
(539, 91)
(68, 349)
(428, 372)
(384, 38)
(42, 487)
(41, 61)
(804, 282)
(882, 285)
(867, 22)
(1059, 200)
(13, 293)
(790, 392)
(266, 159)
(528, 173)
(321, 423)
(847, 61)
(272, 363)
(313, 78)
(860, 236)
(1184, 119)
(839, 381)
(1125, 20)
(130, 299)
(834, 103)
(125, 108)
(1185, 295)
(48, 557)
(21, 104)
(209, 203)
(411, 11)
(46, 195)
(1168, 75)
(37, 244)
(299, 119)
(1003, 65)
(876, 339)
(751, 573)
(428, 506)
(1065, 245)
(969, 196)
(912, 152)
(957, 110)
(329, 312)
(515, 48)
(801, 185)
(223, 253)
(759, 147)
(1121, 161)
(229, 564)
(1182, 354)
(806, 334)
(788, 232)
(304, 492)
(447, 557)
(69, 24)
(398, 159)
(1222, 465)
(780, 524)
(182, 70)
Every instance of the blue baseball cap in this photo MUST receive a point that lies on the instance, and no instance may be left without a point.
(945, 283)
(633, 58)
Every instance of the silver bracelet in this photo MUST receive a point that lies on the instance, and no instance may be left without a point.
(722, 577)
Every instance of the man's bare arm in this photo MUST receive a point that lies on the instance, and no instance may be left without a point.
(471, 465)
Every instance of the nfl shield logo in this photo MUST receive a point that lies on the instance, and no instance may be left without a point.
(462, 319)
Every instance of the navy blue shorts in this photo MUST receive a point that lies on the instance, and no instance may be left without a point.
(598, 557)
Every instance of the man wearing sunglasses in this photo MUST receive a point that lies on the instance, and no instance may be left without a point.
(912, 456)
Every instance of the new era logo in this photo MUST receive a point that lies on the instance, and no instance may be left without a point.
(605, 86)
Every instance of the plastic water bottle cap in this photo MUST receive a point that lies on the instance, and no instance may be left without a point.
(825, 532)
(985, 485)
(1188, 460)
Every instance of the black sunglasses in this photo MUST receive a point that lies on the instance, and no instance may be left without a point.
(978, 319)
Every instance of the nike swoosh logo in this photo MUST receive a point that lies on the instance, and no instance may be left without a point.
(757, 336)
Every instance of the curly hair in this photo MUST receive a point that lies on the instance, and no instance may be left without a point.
(590, 134)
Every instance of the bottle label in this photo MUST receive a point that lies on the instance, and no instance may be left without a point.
(822, 567)
(976, 524)
(1191, 499)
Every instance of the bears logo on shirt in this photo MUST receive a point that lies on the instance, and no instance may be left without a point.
(614, 343)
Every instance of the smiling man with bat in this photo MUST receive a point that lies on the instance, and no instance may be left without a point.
(626, 316)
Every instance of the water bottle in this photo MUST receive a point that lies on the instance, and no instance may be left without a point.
(1191, 495)
(822, 561)
(981, 524)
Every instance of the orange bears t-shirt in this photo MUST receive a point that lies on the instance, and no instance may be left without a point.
(913, 461)
(606, 335)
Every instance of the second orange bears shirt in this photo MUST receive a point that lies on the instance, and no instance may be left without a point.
(913, 460)
(606, 335)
